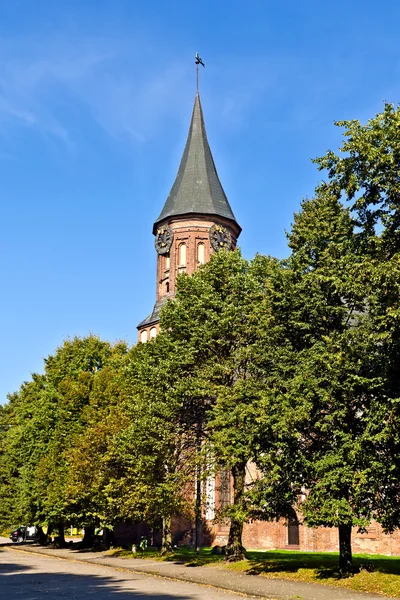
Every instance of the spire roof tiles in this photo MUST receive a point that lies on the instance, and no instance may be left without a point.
(197, 188)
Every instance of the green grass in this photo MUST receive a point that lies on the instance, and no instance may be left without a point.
(323, 568)
(182, 555)
(309, 567)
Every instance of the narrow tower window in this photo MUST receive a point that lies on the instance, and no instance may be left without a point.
(167, 287)
(153, 332)
(167, 261)
(182, 255)
(224, 488)
(143, 336)
(200, 254)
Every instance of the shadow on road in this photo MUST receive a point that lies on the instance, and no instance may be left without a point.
(6, 569)
(19, 581)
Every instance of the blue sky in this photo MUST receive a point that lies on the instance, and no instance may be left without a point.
(95, 103)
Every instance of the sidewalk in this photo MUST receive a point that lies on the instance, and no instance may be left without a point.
(215, 576)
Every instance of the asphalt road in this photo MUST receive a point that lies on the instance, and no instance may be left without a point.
(29, 576)
(31, 572)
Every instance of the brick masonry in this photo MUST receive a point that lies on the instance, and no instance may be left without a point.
(191, 232)
(274, 535)
(267, 535)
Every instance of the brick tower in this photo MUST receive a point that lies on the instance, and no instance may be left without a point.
(195, 221)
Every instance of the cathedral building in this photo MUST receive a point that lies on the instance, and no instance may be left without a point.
(195, 221)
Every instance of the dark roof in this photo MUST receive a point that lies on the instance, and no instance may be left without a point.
(154, 317)
(197, 188)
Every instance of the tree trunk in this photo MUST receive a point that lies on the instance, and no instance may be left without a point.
(166, 544)
(108, 537)
(50, 529)
(234, 550)
(345, 558)
(198, 489)
(42, 535)
(61, 538)
(88, 538)
(198, 513)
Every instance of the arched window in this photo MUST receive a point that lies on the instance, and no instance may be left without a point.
(200, 254)
(167, 287)
(153, 332)
(182, 255)
(167, 261)
(143, 336)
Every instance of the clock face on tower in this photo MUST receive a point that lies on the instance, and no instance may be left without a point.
(164, 239)
(220, 238)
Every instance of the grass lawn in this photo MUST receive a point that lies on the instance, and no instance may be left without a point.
(298, 566)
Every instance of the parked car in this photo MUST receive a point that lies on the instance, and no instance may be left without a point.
(24, 533)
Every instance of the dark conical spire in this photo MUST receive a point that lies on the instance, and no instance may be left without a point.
(197, 188)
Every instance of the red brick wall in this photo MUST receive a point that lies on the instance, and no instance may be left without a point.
(189, 231)
(274, 535)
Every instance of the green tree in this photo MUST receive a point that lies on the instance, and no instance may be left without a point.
(8, 468)
(70, 375)
(366, 174)
(43, 420)
(382, 436)
(150, 460)
(219, 320)
(24, 444)
(332, 388)
(85, 496)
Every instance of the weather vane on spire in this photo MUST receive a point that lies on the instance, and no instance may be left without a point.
(198, 62)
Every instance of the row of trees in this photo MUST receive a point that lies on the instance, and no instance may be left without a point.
(292, 365)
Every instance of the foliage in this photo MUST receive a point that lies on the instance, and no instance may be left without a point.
(222, 318)
(366, 173)
(45, 418)
(88, 475)
(346, 382)
(149, 458)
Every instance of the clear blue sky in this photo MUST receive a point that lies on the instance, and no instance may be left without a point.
(95, 103)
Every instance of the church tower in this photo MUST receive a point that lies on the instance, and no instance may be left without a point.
(196, 220)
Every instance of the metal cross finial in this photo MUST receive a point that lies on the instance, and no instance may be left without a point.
(198, 62)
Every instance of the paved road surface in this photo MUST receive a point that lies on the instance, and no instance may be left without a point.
(26, 576)
(30, 572)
